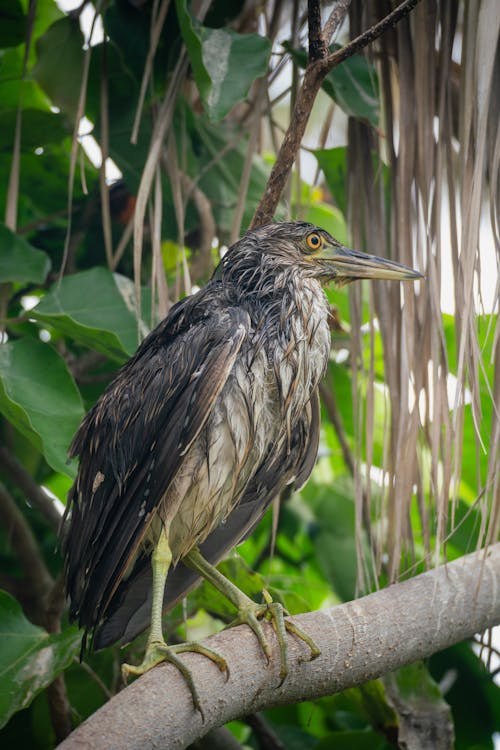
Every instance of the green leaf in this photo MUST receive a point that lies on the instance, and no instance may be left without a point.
(96, 308)
(39, 128)
(40, 398)
(123, 90)
(20, 261)
(12, 23)
(334, 533)
(59, 64)
(353, 84)
(414, 683)
(43, 190)
(224, 63)
(221, 177)
(30, 658)
(333, 162)
(329, 218)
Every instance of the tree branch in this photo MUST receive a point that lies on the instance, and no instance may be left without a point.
(335, 19)
(359, 641)
(315, 73)
(369, 36)
(33, 492)
(37, 577)
(317, 46)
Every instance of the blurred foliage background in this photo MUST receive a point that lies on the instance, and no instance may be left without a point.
(136, 139)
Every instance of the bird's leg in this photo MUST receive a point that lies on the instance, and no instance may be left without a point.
(157, 650)
(251, 613)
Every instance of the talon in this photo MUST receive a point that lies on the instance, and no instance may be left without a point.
(251, 614)
(298, 633)
(159, 651)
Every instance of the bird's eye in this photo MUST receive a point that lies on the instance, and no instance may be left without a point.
(314, 241)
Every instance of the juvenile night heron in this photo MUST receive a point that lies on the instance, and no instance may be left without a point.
(216, 412)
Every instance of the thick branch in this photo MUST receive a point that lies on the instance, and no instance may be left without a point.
(316, 71)
(359, 641)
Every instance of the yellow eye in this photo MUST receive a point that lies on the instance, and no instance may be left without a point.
(314, 241)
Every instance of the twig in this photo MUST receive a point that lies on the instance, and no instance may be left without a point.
(266, 738)
(201, 262)
(317, 46)
(369, 36)
(30, 488)
(38, 579)
(330, 404)
(314, 76)
(335, 19)
(94, 676)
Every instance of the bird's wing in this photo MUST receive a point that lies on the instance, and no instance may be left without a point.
(132, 443)
(130, 609)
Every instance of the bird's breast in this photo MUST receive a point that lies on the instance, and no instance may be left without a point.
(266, 393)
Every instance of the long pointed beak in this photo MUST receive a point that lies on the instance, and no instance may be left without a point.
(348, 265)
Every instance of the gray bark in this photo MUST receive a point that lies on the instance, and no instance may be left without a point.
(359, 641)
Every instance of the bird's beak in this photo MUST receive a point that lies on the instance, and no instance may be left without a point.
(347, 265)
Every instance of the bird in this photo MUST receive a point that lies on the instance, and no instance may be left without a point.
(215, 414)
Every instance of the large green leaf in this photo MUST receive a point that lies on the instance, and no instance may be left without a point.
(38, 395)
(59, 65)
(224, 63)
(20, 261)
(95, 307)
(30, 658)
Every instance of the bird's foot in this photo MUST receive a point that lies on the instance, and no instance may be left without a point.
(159, 651)
(252, 614)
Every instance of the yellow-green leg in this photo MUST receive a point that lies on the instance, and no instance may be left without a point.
(251, 613)
(157, 650)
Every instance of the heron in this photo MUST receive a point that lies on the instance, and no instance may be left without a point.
(215, 414)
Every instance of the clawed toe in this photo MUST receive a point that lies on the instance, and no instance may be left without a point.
(252, 614)
(159, 651)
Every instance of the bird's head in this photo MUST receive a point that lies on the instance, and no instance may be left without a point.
(318, 254)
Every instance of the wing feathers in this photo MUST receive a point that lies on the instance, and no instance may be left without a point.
(132, 445)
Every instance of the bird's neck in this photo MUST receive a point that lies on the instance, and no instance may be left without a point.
(289, 312)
